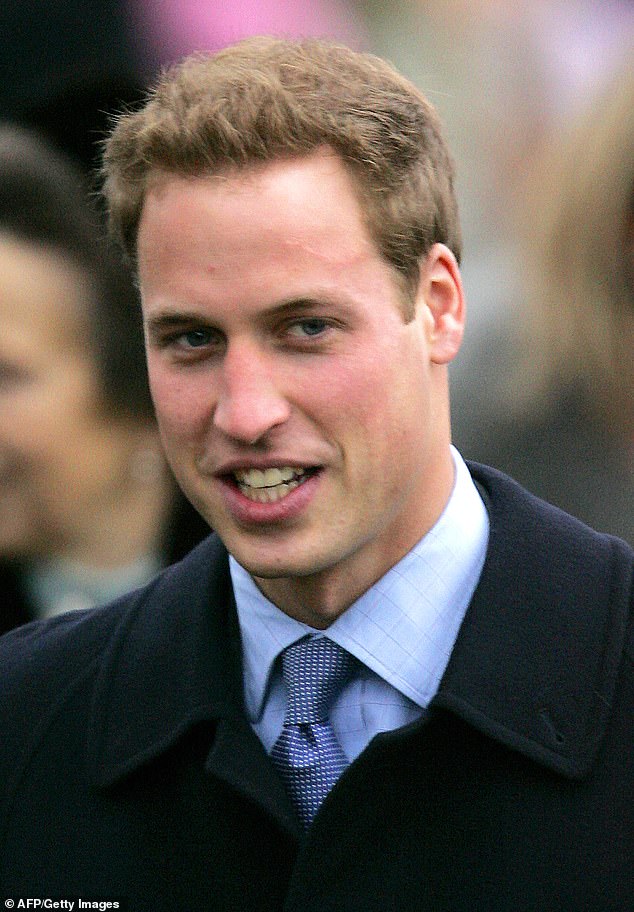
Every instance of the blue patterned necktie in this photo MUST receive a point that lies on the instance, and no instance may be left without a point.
(307, 753)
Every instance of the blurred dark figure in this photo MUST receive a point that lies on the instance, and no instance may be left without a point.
(570, 436)
(66, 66)
(88, 508)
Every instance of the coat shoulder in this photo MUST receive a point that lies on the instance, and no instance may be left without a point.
(525, 518)
(44, 663)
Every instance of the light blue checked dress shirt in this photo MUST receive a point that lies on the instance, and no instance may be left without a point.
(402, 630)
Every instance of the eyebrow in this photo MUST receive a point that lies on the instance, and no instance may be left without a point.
(298, 305)
(160, 322)
(169, 320)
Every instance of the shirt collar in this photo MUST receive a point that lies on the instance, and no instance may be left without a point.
(406, 622)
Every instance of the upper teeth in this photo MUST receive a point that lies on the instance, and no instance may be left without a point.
(267, 478)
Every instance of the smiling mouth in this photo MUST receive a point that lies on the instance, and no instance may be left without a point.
(270, 485)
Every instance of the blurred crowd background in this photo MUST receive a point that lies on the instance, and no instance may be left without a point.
(537, 97)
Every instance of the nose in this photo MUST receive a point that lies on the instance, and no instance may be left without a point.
(250, 403)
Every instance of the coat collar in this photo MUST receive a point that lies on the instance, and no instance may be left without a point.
(537, 658)
(172, 661)
(534, 666)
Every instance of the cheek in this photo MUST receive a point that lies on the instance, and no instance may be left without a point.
(373, 390)
(385, 410)
(37, 424)
(350, 388)
(183, 408)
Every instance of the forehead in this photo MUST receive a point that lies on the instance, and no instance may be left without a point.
(287, 207)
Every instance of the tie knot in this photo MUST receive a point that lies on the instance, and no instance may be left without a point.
(314, 671)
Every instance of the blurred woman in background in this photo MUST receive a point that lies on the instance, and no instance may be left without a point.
(88, 508)
(570, 433)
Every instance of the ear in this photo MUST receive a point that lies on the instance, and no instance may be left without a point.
(441, 303)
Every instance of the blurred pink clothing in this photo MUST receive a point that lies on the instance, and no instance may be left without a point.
(173, 28)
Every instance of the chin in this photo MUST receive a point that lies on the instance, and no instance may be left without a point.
(282, 567)
(268, 570)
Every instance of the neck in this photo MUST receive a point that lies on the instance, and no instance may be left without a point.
(318, 599)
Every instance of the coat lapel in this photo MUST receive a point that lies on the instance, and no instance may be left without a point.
(239, 759)
(175, 661)
(537, 658)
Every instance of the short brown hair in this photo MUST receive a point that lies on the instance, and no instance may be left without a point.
(265, 98)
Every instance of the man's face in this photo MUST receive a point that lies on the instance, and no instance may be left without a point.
(302, 415)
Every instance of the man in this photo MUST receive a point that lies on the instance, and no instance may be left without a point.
(389, 681)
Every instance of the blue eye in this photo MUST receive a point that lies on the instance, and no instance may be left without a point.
(310, 327)
(197, 338)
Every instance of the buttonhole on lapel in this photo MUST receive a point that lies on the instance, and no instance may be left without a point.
(554, 733)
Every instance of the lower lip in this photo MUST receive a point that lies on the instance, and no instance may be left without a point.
(249, 512)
